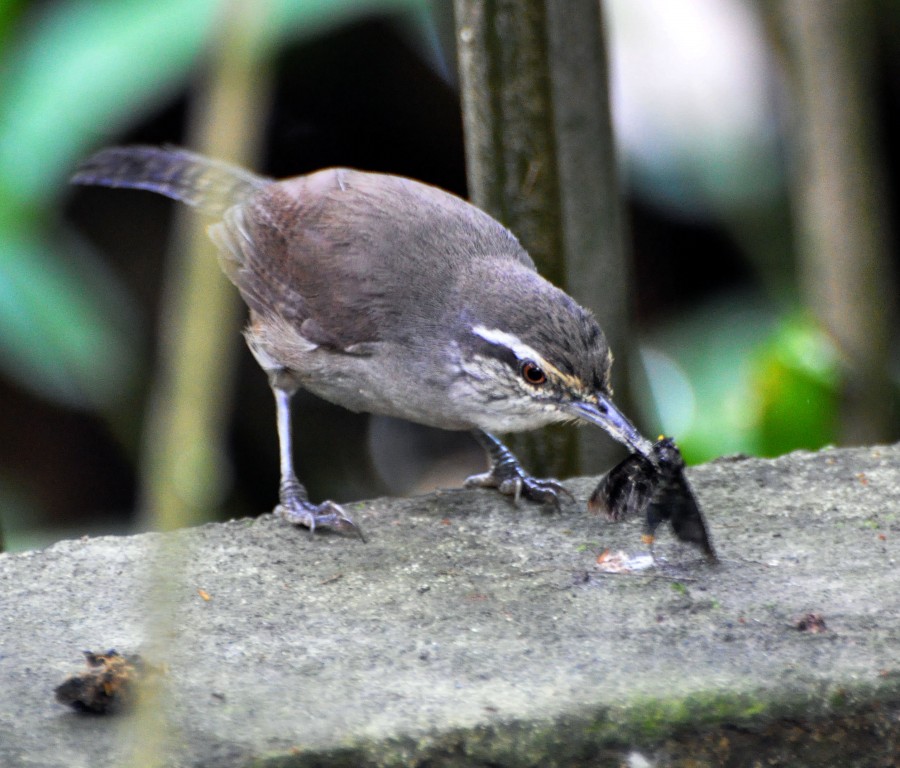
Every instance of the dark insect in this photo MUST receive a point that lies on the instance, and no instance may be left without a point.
(656, 485)
(109, 684)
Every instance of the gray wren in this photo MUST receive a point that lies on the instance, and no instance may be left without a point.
(385, 295)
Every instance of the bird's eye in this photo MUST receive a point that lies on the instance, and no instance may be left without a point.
(532, 373)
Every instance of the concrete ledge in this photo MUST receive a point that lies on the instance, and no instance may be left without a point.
(470, 633)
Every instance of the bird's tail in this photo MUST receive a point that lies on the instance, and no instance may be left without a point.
(210, 185)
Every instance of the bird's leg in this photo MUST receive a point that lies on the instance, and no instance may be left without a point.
(507, 475)
(294, 505)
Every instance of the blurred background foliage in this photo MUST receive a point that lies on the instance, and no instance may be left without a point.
(731, 359)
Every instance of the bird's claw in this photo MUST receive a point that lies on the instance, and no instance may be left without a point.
(514, 481)
(507, 475)
(326, 515)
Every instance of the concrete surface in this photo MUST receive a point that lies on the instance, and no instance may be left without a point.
(471, 633)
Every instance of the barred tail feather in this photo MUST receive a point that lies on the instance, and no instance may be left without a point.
(210, 185)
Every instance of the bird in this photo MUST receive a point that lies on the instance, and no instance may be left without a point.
(386, 295)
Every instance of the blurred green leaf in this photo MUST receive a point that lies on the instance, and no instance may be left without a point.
(79, 72)
(82, 69)
(10, 10)
(734, 378)
(701, 387)
(88, 67)
(797, 380)
(60, 327)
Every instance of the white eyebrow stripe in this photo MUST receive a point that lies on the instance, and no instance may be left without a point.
(518, 347)
(523, 352)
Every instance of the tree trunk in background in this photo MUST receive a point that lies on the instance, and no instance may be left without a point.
(541, 159)
(839, 202)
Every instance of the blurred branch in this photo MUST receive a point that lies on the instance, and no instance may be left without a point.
(541, 159)
(184, 471)
(839, 197)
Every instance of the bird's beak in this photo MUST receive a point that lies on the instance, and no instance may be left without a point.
(604, 414)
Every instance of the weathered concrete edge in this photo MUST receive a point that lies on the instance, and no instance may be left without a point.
(837, 721)
(695, 724)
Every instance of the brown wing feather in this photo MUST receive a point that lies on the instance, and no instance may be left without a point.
(335, 251)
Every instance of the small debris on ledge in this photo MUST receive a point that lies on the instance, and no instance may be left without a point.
(814, 623)
(108, 686)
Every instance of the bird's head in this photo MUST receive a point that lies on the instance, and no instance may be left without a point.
(549, 364)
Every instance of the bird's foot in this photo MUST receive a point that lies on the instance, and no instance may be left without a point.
(511, 480)
(299, 511)
(508, 477)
